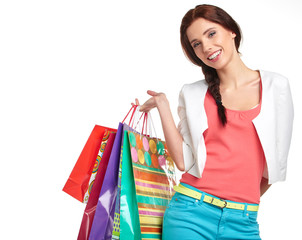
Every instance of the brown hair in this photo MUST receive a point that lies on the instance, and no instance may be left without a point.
(219, 16)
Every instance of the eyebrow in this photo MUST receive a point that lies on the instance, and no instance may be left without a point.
(205, 32)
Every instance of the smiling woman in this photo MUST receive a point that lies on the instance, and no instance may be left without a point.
(228, 141)
(68, 65)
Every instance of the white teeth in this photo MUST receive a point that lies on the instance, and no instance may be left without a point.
(214, 55)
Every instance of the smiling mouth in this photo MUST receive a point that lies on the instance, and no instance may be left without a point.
(214, 55)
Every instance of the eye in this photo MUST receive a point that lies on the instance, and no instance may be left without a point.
(212, 34)
(196, 44)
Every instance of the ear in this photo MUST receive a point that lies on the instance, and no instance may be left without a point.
(233, 34)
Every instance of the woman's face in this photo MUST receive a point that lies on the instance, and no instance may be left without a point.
(212, 43)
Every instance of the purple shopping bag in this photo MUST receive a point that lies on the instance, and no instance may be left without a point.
(104, 214)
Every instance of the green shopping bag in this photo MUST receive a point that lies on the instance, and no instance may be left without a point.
(129, 218)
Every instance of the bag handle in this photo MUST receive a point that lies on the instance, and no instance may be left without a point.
(145, 124)
(138, 122)
(133, 115)
(152, 126)
(148, 125)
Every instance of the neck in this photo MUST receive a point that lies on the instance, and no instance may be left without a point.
(233, 75)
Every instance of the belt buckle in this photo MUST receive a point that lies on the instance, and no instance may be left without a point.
(225, 202)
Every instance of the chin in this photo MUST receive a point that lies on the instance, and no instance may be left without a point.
(219, 66)
(216, 66)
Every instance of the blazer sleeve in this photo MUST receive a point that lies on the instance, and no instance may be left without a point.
(184, 130)
(285, 116)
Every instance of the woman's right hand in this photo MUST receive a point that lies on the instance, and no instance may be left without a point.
(154, 101)
(173, 138)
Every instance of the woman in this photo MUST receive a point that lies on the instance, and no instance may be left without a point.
(233, 137)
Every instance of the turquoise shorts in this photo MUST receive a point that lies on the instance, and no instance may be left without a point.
(187, 218)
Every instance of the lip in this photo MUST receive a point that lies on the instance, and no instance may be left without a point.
(217, 57)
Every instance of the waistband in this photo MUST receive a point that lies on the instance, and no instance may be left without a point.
(197, 194)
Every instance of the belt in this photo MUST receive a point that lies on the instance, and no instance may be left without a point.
(213, 200)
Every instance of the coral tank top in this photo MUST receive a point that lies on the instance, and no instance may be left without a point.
(235, 158)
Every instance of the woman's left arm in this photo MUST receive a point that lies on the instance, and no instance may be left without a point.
(264, 186)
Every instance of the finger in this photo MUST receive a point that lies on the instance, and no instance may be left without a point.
(152, 93)
(136, 101)
(143, 109)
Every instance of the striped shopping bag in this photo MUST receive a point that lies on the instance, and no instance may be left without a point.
(154, 178)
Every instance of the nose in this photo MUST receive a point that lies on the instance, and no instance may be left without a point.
(207, 47)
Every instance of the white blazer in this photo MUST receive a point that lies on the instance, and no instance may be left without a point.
(273, 124)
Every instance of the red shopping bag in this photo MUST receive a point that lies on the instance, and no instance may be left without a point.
(78, 181)
(95, 192)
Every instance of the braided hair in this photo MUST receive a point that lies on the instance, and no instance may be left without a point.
(213, 82)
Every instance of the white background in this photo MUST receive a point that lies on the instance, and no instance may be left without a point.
(67, 65)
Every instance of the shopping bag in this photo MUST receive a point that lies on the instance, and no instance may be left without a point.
(154, 177)
(77, 183)
(96, 165)
(124, 154)
(104, 214)
(146, 187)
(129, 218)
(95, 191)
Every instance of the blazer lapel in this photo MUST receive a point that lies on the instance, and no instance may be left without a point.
(200, 121)
(265, 121)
